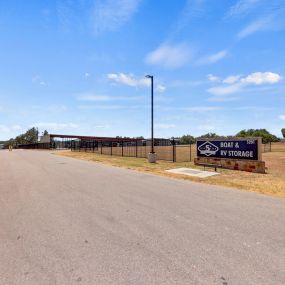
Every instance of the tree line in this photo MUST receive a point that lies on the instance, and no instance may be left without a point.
(266, 136)
(29, 137)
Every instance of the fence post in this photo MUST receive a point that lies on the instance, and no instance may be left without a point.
(111, 148)
(101, 148)
(122, 148)
(270, 146)
(136, 148)
(190, 152)
(173, 151)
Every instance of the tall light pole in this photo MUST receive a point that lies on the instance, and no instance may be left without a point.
(152, 155)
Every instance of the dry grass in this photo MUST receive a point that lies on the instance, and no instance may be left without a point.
(272, 183)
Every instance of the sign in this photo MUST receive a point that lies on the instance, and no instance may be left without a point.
(233, 149)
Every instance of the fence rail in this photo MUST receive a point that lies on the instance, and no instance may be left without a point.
(170, 152)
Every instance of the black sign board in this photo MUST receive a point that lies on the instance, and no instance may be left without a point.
(234, 149)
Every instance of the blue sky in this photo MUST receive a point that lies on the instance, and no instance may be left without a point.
(78, 67)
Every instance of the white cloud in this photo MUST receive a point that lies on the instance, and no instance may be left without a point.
(239, 83)
(254, 27)
(87, 74)
(128, 79)
(213, 78)
(37, 80)
(192, 9)
(110, 15)
(224, 90)
(282, 117)
(232, 79)
(170, 56)
(259, 78)
(160, 88)
(241, 7)
(212, 58)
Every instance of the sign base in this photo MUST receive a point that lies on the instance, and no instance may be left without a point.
(152, 157)
(255, 166)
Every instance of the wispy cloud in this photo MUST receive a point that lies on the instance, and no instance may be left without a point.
(192, 9)
(36, 79)
(170, 56)
(131, 80)
(160, 88)
(109, 15)
(259, 78)
(234, 84)
(212, 58)
(282, 117)
(128, 79)
(213, 78)
(254, 27)
(253, 108)
(232, 79)
(98, 15)
(224, 90)
(242, 7)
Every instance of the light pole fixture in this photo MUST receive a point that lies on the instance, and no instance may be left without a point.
(152, 154)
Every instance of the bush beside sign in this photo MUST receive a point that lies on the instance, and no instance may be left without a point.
(241, 149)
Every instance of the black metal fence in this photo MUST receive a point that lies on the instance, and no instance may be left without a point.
(35, 146)
(273, 147)
(165, 150)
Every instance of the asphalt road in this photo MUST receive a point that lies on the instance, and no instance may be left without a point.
(66, 221)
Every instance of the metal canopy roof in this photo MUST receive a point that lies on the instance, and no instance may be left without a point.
(91, 138)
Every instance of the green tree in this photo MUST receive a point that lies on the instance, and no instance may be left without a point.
(263, 133)
(45, 133)
(209, 135)
(30, 136)
(283, 132)
(9, 142)
(187, 139)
